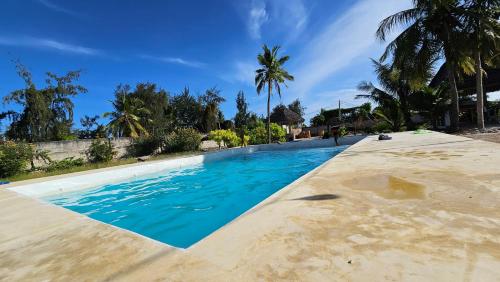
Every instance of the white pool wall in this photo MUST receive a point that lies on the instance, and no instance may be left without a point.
(71, 183)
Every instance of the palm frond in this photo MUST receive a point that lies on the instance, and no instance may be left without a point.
(401, 18)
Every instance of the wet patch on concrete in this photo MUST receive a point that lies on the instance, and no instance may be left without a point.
(387, 186)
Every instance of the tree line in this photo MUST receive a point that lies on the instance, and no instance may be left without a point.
(144, 111)
(464, 34)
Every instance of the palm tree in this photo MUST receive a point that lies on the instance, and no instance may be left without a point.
(483, 31)
(271, 74)
(125, 119)
(389, 105)
(431, 102)
(430, 26)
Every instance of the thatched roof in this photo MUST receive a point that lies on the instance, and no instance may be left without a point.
(285, 116)
(467, 84)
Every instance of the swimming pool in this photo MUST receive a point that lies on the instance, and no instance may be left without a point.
(179, 207)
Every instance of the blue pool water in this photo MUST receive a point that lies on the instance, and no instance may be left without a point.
(182, 206)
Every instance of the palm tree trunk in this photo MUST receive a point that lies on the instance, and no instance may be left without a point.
(479, 90)
(454, 96)
(406, 111)
(450, 66)
(269, 113)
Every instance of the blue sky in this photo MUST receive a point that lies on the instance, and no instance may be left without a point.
(199, 44)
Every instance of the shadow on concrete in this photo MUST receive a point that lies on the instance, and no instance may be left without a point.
(320, 197)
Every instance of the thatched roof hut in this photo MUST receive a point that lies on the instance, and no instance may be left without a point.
(467, 83)
(285, 116)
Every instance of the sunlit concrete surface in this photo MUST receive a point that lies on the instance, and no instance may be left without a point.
(415, 208)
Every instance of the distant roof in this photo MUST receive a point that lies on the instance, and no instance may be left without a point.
(283, 115)
(491, 80)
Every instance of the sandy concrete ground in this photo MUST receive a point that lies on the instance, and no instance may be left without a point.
(416, 208)
(491, 134)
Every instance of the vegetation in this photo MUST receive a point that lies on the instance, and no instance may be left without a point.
(64, 164)
(271, 75)
(14, 157)
(390, 108)
(100, 150)
(258, 134)
(182, 140)
(127, 114)
(242, 117)
(278, 133)
(224, 137)
(462, 34)
(212, 115)
(91, 128)
(90, 166)
(296, 106)
(47, 113)
(482, 33)
(346, 114)
(438, 29)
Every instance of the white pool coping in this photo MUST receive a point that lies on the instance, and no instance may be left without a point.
(72, 183)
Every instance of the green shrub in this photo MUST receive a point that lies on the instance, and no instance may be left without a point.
(217, 136)
(326, 134)
(182, 140)
(14, 158)
(258, 135)
(245, 140)
(342, 131)
(382, 127)
(100, 150)
(144, 146)
(229, 137)
(64, 164)
(278, 133)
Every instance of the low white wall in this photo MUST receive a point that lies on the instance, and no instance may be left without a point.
(118, 174)
(59, 150)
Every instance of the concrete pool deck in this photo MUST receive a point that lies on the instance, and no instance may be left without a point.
(418, 207)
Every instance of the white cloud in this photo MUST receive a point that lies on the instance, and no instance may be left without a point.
(289, 17)
(241, 72)
(278, 16)
(174, 60)
(46, 43)
(257, 16)
(57, 8)
(343, 40)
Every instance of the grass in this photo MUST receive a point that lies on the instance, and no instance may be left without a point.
(91, 166)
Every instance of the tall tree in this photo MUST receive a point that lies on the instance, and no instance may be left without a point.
(212, 115)
(297, 107)
(91, 128)
(47, 113)
(430, 26)
(242, 115)
(271, 75)
(187, 110)
(483, 31)
(126, 116)
(159, 120)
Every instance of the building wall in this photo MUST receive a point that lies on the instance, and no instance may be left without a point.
(316, 130)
